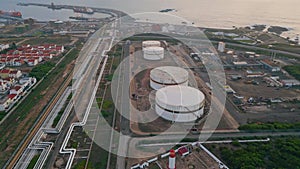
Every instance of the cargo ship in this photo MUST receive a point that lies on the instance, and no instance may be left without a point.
(16, 14)
(84, 10)
(79, 18)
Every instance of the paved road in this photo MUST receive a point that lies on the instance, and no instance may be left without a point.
(234, 135)
(85, 86)
(124, 122)
(205, 142)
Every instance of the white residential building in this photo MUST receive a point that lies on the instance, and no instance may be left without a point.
(16, 90)
(15, 74)
(4, 103)
(32, 62)
(4, 46)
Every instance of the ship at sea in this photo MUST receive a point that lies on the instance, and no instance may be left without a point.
(84, 10)
(79, 18)
(16, 14)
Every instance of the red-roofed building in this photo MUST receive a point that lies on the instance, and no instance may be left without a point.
(47, 46)
(29, 54)
(183, 151)
(16, 90)
(39, 58)
(12, 97)
(60, 48)
(4, 73)
(32, 62)
(15, 74)
(17, 62)
(2, 61)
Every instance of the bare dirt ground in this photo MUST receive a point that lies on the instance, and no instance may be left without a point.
(288, 111)
(159, 125)
(250, 90)
(140, 86)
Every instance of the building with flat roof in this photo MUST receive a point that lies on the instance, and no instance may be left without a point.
(270, 65)
(290, 82)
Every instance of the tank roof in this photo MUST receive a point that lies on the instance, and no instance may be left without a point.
(169, 75)
(180, 98)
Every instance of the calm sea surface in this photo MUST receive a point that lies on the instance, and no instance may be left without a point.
(204, 13)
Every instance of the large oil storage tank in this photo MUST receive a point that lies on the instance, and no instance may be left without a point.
(151, 43)
(153, 53)
(179, 103)
(168, 75)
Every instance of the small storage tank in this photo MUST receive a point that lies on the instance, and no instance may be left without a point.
(168, 75)
(153, 53)
(151, 43)
(179, 103)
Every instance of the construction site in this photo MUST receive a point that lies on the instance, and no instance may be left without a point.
(177, 72)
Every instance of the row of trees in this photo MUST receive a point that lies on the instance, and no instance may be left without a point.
(41, 70)
(279, 153)
(270, 126)
(293, 70)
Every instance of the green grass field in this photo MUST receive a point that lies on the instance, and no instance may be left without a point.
(279, 153)
(59, 40)
(293, 70)
(270, 126)
(33, 161)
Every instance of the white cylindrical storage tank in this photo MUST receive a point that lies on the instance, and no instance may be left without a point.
(179, 103)
(153, 53)
(151, 43)
(168, 75)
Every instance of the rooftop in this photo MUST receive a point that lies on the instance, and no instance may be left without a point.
(169, 75)
(181, 97)
(269, 62)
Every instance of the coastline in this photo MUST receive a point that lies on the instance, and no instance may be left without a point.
(288, 33)
(217, 23)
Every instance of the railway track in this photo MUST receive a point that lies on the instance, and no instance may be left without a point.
(38, 124)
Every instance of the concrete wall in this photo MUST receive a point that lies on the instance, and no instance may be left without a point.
(178, 117)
